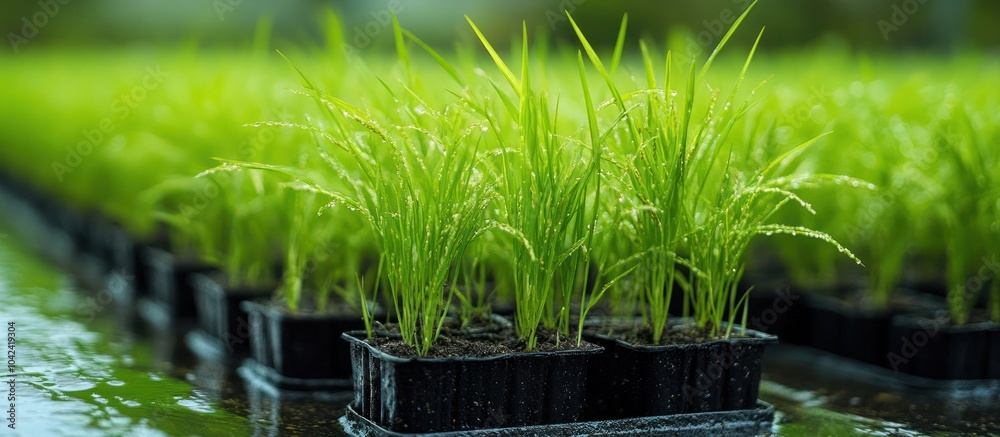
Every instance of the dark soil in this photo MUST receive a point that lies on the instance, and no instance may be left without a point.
(479, 340)
(642, 335)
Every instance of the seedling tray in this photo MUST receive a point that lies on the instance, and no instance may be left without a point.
(299, 352)
(750, 422)
(223, 326)
(645, 381)
(926, 346)
(461, 393)
(170, 282)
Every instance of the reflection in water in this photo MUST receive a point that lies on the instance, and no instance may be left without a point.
(289, 414)
(81, 374)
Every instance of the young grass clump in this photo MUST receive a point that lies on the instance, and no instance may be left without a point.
(546, 179)
(689, 196)
(411, 173)
(967, 208)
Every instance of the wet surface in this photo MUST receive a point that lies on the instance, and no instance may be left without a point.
(86, 366)
(828, 395)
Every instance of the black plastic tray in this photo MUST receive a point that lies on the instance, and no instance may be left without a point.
(750, 422)
(459, 393)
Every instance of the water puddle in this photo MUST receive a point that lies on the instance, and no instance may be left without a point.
(76, 377)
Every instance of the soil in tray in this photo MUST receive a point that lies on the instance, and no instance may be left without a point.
(480, 340)
(642, 335)
(476, 377)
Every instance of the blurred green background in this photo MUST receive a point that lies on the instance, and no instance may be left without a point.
(869, 25)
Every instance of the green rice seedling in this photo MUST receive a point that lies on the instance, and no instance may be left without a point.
(728, 206)
(195, 232)
(692, 196)
(546, 179)
(322, 245)
(868, 220)
(728, 212)
(418, 189)
(994, 236)
(486, 280)
(966, 207)
(885, 247)
(248, 254)
(324, 252)
(652, 158)
(218, 230)
(425, 204)
(302, 207)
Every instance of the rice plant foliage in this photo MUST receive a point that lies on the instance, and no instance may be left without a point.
(689, 201)
(546, 178)
(411, 172)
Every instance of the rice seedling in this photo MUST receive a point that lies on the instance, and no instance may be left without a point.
(966, 206)
(418, 189)
(690, 195)
(651, 155)
(546, 180)
(323, 254)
